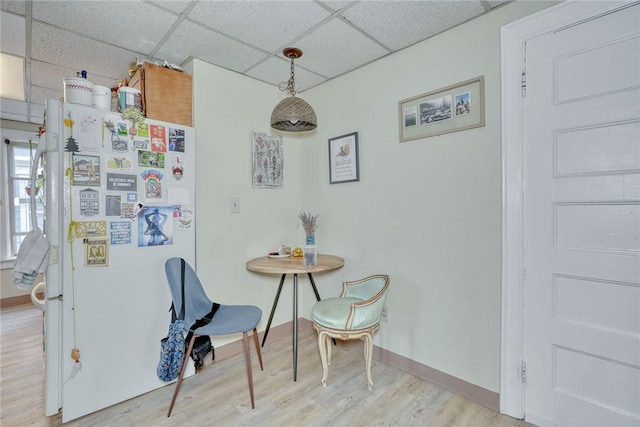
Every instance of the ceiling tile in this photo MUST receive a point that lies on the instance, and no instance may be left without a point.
(417, 19)
(275, 70)
(269, 25)
(52, 76)
(190, 40)
(496, 3)
(56, 46)
(40, 94)
(15, 6)
(12, 34)
(176, 6)
(336, 5)
(246, 36)
(330, 41)
(48, 75)
(137, 26)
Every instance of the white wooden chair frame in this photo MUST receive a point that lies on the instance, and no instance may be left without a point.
(366, 334)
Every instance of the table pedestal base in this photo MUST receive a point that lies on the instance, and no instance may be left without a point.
(295, 316)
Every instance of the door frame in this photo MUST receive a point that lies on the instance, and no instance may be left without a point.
(513, 37)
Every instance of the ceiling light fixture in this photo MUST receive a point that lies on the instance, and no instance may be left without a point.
(293, 114)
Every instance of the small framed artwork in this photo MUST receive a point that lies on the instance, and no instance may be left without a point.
(86, 170)
(267, 167)
(96, 252)
(449, 109)
(343, 159)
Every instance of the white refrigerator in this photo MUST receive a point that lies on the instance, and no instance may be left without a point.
(119, 202)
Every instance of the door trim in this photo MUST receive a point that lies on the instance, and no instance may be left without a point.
(513, 37)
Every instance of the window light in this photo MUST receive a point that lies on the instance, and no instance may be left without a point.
(12, 72)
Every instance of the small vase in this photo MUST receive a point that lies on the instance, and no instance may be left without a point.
(311, 239)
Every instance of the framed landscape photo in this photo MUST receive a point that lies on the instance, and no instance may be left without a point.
(449, 109)
(343, 159)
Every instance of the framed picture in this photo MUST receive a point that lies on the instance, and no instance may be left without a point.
(343, 159)
(449, 109)
(267, 166)
(86, 170)
(96, 252)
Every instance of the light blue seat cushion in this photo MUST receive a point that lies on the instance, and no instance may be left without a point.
(333, 312)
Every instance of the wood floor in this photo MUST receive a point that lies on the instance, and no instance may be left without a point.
(218, 395)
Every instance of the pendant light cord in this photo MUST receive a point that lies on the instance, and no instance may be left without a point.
(70, 238)
(290, 85)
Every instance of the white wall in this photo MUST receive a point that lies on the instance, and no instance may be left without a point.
(426, 212)
(228, 107)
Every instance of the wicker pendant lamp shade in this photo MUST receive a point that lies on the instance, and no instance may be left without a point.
(293, 114)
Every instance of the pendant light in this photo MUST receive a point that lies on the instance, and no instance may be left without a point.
(293, 114)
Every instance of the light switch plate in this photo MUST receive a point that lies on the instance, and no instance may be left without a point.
(234, 205)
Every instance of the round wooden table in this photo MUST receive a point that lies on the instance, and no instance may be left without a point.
(295, 266)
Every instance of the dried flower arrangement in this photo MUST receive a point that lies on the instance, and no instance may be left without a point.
(309, 223)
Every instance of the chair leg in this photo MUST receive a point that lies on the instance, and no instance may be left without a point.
(365, 348)
(328, 344)
(322, 346)
(257, 341)
(247, 356)
(181, 376)
(368, 352)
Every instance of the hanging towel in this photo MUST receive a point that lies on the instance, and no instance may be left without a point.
(32, 259)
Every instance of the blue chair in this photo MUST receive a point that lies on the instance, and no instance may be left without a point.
(228, 319)
(355, 314)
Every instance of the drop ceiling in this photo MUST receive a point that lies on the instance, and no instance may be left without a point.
(59, 38)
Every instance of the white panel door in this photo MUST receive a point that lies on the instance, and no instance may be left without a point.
(582, 223)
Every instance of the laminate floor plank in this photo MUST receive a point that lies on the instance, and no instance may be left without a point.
(218, 394)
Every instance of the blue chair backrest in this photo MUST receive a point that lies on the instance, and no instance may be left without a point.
(197, 303)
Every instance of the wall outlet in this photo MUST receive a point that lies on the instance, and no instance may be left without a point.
(385, 314)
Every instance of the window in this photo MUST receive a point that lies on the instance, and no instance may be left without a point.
(17, 209)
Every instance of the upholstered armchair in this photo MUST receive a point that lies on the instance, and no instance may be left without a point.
(355, 314)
